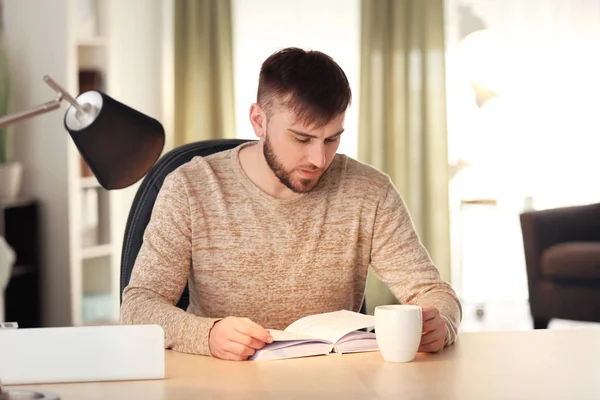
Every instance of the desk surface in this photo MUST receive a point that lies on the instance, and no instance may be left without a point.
(549, 364)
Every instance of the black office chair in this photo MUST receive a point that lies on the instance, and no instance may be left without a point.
(141, 208)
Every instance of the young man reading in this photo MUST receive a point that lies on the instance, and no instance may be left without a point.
(282, 228)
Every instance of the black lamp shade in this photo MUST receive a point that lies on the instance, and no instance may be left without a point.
(119, 143)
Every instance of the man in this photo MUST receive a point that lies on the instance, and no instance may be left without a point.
(279, 229)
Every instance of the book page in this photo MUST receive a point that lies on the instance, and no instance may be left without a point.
(290, 345)
(331, 326)
(357, 342)
(356, 335)
(292, 351)
(281, 336)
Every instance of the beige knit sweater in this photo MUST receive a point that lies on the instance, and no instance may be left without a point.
(246, 254)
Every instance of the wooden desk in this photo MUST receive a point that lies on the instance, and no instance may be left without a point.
(550, 364)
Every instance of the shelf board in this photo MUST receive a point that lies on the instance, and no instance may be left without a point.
(101, 250)
(19, 270)
(89, 182)
(97, 41)
(20, 202)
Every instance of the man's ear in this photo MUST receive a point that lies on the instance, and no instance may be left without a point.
(258, 119)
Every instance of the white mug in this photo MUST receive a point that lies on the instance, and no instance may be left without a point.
(398, 330)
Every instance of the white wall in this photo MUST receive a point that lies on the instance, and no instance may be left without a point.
(137, 67)
(261, 27)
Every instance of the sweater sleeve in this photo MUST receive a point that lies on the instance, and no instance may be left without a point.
(404, 265)
(161, 272)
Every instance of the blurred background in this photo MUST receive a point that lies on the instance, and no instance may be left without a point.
(480, 110)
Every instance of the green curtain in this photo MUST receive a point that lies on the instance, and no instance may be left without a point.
(204, 99)
(402, 117)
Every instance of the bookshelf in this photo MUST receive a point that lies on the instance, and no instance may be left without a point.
(120, 52)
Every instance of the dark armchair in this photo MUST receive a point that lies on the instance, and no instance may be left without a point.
(562, 255)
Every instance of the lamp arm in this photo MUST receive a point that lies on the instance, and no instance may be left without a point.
(46, 107)
(23, 115)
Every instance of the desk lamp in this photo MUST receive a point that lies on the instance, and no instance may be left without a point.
(119, 144)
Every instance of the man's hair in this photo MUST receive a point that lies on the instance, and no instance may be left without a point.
(308, 83)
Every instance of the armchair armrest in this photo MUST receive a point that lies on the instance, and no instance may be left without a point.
(545, 228)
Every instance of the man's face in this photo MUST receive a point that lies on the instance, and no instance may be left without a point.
(299, 155)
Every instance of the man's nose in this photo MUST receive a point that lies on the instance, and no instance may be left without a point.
(317, 155)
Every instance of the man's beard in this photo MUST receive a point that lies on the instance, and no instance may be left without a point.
(285, 177)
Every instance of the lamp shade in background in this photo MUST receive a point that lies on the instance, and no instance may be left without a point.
(119, 143)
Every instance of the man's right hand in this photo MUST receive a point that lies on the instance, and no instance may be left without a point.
(237, 339)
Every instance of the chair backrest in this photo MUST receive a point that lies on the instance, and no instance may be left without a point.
(143, 202)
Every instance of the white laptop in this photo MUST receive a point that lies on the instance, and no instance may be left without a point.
(81, 354)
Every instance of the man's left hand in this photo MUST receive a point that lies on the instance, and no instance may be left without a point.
(434, 331)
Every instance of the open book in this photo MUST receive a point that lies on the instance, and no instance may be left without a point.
(320, 334)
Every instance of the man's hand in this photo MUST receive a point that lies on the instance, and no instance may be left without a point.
(434, 331)
(237, 338)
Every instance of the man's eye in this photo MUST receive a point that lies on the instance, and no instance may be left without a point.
(302, 140)
(331, 140)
